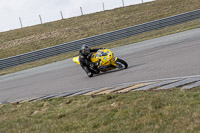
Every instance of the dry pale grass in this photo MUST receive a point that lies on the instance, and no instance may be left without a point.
(29, 39)
(41, 36)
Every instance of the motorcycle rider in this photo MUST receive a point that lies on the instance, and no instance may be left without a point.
(84, 59)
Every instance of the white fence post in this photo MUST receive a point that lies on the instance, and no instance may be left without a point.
(103, 7)
(61, 14)
(40, 18)
(123, 2)
(20, 22)
(81, 10)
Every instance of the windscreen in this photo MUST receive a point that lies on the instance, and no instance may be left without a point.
(101, 53)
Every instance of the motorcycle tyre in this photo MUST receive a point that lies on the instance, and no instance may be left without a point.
(122, 62)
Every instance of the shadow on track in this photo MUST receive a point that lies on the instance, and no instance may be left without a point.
(116, 70)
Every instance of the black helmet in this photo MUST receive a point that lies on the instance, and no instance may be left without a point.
(85, 49)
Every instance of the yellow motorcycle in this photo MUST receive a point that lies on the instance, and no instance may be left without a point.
(105, 60)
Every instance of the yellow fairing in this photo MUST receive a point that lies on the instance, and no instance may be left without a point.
(105, 57)
(76, 60)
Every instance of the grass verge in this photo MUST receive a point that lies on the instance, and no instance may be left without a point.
(160, 111)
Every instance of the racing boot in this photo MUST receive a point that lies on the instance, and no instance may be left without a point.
(88, 72)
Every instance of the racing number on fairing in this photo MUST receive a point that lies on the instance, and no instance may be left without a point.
(108, 57)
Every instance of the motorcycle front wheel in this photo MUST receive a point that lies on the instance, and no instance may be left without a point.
(121, 64)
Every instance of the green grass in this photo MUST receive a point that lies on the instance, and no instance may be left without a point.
(161, 111)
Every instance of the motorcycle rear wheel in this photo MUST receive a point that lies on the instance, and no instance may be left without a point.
(121, 64)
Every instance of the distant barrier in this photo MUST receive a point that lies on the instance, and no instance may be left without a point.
(99, 39)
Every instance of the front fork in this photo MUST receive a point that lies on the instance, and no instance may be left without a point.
(113, 65)
(113, 61)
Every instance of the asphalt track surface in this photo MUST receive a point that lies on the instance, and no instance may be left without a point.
(171, 56)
